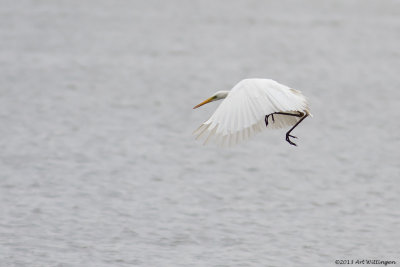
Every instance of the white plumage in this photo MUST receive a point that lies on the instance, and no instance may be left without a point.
(243, 111)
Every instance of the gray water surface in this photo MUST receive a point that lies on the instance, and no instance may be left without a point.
(98, 166)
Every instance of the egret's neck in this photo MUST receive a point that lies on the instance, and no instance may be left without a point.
(221, 94)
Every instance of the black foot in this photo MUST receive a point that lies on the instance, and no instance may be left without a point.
(288, 139)
(266, 119)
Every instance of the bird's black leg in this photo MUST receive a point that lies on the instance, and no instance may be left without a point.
(300, 114)
(291, 129)
(288, 135)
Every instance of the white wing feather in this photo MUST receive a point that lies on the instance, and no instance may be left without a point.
(241, 114)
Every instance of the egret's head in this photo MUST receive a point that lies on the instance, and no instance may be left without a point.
(217, 96)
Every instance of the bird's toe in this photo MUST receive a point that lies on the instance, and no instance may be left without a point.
(290, 141)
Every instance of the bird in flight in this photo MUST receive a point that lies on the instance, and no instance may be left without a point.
(251, 106)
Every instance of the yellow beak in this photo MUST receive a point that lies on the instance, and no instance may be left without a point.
(204, 102)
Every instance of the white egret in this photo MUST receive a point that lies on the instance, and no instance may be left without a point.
(251, 106)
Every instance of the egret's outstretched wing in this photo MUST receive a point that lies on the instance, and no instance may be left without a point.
(241, 114)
